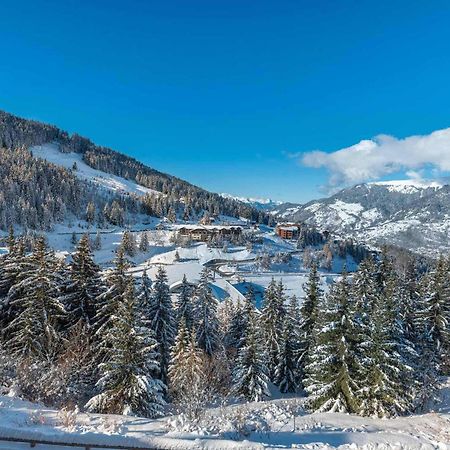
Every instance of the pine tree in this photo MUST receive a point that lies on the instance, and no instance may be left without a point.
(186, 365)
(162, 319)
(84, 284)
(250, 377)
(333, 372)
(287, 370)
(145, 293)
(272, 316)
(143, 243)
(435, 317)
(13, 268)
(234, 338)
(184, 305)
(108, 301)
(128, 243)
(34, 332)
(308, 315)
(206, 320)
(90, 213)
(385, 390)
(126, 385)
(98, 241)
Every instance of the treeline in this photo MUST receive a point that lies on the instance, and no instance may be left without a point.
(375, 344)
(16, 133)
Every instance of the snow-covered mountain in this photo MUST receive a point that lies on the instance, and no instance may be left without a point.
(52, 153)
(49, 177)
(408, 213)
(262, 204)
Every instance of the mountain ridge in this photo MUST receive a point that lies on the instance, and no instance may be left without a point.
(407, 213)
(179, 196)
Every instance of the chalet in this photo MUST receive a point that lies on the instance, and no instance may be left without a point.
(204, 233)
(288, 230)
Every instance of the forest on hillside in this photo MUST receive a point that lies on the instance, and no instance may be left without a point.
(181, 197)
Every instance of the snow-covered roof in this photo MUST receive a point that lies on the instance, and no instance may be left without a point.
(208, 227)
(288, 228)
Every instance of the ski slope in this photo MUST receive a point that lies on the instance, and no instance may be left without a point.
(52, 154)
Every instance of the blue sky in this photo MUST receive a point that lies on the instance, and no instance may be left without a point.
(229, 94)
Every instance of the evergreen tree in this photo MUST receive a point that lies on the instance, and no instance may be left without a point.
(145, 293)
(143, 243)
(250, 377)
(126, 385)
(34, 332)
(308, 315)
(186, 365)
(108, 301)
(385, 391)
(435, 316)
(98, 241)
(272, 316)
(184, 305)
(287, 371)
(234, 338)
(84, 284)
(206, 320)
(334, 370)
(129, 243)
(162, 319)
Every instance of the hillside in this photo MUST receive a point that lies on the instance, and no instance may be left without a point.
(410, 214)
(102, 167)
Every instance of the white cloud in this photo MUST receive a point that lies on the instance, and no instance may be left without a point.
(381, 156)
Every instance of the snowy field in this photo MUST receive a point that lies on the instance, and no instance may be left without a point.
(278, 423)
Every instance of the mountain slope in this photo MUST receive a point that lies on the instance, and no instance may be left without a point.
(119, 173)
(410, 214)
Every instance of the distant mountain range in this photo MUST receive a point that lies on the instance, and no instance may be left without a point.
(261, 204)
(408, 213)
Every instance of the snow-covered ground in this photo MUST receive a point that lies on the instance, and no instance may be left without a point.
(51, 153)
(277, 423)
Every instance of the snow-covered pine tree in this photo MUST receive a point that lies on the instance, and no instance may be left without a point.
(145, 293)
(186, 364)
(35, 331)
(250, 376)
(184, 305)
(143, 243)
(386, 385)
(13, 267)
(128, 243)
(332, 375)
(126, 385)
(161, 317)
(234, 337)
(272, 316)
(84, 284)
(206, 320)
(435, 316)
(365, 290)
(109, 300)
(287, 370)
(308, 315)
(97, 241)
